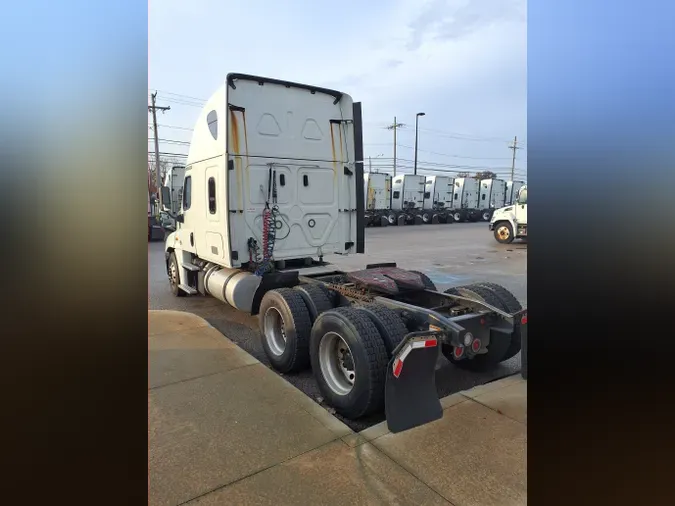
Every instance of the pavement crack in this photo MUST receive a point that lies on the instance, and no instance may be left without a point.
(411, 473)
(254, 473)
(198, 377)
(495, 410)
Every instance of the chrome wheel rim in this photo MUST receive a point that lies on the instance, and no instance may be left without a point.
(337, 363)
(275, 331)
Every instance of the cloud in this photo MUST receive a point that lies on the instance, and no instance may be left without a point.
(462, 62)
(445, 19)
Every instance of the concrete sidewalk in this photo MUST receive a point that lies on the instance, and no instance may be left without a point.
(224, 429)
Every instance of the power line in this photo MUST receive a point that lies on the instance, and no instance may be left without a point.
(172, 126)
(183, 102)
(180, 95)
(459, 136)
(167, 154)
(454, 156)
(171, 141)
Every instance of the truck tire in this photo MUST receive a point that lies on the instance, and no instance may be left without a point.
(426, 218)
(315, 298)
(285, 325)
(174, 279)
(486, 215)
(333, 296)
(391, 218)
(349, 361)
(428, 284)
(496, 350)
(512, 305)
(389, 324)
(457, 216)
(503, 232)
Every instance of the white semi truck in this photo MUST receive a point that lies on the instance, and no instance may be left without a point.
(510, 222)
(465, 206)
(273, 183)
(377, 188)
(492, 195)
(438, 193)
(407, 200)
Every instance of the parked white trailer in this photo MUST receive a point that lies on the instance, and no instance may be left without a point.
(512, 189)
(438, 199)
(492, 194)
(377, 188)
(174, 182)
(274, 176)
(407, 199)
(465, 199)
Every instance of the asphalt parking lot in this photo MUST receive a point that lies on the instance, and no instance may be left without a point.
(450, 255)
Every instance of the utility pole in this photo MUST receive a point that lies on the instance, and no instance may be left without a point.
(417, 117)
(370, 164)
(394, 127)
(514, 146)
(153, 109)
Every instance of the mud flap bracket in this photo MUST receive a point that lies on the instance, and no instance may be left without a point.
(410, 389)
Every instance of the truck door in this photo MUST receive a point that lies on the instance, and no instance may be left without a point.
(521, 206)
(189, 210)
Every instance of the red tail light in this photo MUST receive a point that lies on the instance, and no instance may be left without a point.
(458, 352)
(475, 346)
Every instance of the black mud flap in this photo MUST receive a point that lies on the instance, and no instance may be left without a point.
(410, 389)
(270, 281)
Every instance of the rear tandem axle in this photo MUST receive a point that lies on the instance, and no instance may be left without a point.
(372, 337)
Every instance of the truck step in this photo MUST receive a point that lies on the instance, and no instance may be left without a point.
(188, 289)
(191, 267)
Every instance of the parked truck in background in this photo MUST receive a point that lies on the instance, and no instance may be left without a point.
(155, 230)
(407, 200)
(377, 187)
(510, 222)
(438, 199)
(273, 182)
(465, 207)
(492, 195)
(512, 189)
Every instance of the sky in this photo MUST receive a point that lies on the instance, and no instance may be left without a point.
(461, 62)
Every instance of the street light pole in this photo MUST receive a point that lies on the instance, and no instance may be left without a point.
(417, 117)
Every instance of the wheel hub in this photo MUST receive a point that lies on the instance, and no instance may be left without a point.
(173, 274)
(503, 232)
(337, 363)
(275, 331)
